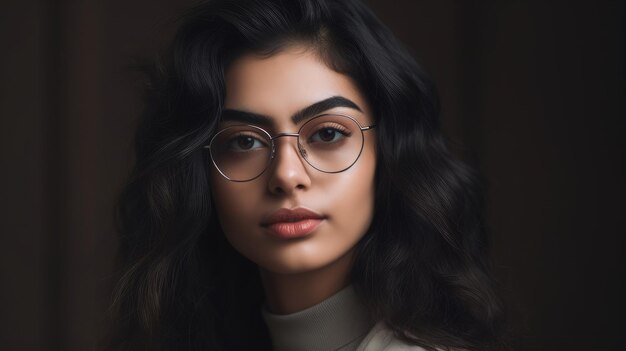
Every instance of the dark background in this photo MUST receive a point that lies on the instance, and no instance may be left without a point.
(534, 91)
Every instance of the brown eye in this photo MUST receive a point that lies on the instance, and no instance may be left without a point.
(327, 134)
(245, 142)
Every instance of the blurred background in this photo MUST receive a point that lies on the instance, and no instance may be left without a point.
(533, 91)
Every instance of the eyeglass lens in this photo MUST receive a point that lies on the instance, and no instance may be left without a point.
(329, 143)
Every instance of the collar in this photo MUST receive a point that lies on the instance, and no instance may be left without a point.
(338, 323)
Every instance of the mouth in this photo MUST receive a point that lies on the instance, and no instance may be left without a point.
(289, 224)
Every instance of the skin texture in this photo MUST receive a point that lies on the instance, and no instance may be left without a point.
(296, 273)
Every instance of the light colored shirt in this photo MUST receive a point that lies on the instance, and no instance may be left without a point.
(340, 323)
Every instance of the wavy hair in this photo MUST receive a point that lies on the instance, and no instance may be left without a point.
(422, 267)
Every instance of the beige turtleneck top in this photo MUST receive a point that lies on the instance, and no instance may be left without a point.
(340, 322)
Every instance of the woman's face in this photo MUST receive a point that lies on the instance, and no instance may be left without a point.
(277, 88)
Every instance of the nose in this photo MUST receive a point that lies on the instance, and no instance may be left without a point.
(288, 170)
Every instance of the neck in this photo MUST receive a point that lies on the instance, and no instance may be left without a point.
(288, 293)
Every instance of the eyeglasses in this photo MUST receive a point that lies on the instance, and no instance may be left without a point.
(330, 143)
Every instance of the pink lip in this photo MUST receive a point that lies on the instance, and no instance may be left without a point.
(289, 224)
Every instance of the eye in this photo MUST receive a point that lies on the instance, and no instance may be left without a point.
(245, 142)
(329, 134)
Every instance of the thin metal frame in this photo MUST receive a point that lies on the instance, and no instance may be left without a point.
(285, 134)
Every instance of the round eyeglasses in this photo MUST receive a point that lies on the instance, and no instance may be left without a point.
(330, 143)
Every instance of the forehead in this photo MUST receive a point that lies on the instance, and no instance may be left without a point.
(282, 84)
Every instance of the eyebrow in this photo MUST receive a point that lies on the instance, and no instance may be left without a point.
(305, 113)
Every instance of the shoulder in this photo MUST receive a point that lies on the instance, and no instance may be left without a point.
(381, 338)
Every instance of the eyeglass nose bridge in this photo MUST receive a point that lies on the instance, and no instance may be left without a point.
(301, 149)
(285, 134)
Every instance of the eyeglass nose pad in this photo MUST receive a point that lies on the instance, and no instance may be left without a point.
(302, 151)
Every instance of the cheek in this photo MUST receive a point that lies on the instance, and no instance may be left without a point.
(239, 208)
(352, 195)
(234, 202)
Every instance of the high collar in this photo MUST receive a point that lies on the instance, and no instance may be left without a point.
(337, 323)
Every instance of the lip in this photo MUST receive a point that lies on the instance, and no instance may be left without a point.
(295, 223)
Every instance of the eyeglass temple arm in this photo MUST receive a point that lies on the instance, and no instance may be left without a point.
(368, 127)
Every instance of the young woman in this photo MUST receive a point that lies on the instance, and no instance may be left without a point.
(292, 191)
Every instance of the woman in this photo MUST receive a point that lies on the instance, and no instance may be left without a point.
(292, 191)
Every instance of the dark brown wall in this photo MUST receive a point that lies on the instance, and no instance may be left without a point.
(533, 90)
(536, 90)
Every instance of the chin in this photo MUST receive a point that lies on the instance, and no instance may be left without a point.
(292, 265)
(301, 260)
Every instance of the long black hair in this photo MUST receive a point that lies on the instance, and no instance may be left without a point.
(422, 267)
